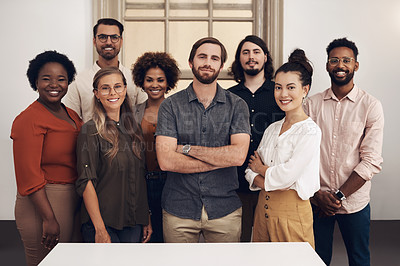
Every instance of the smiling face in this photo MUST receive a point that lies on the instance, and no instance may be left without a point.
(52, 83)
(289, 92)
(252, 58)
(155, 83)
(107, 50)
(107, 93)
(342, 73)
(207, 63)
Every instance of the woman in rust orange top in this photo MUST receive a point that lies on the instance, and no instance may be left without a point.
(44, 139)
(156, 73)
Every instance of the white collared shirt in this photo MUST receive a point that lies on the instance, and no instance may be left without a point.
(293, 158)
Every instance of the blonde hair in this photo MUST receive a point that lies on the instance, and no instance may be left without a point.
(106, 128)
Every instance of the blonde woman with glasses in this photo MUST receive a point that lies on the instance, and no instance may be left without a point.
(111, 174)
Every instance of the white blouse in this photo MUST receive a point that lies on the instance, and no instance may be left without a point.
(293, 158)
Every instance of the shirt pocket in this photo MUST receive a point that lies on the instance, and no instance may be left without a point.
(351, 132)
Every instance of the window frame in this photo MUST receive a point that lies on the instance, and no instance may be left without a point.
(267, 23)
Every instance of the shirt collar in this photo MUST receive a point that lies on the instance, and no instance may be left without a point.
(352, 95)
(220, 96)
(96, 67)
(267, 85)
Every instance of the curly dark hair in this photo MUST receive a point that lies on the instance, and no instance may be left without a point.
(236, 70)
(36, 64)
(342, 42)
(152, 60)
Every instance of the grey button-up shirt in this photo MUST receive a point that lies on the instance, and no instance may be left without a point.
(183, 117)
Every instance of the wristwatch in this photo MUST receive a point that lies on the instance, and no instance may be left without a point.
(340, 195)
(186, 149)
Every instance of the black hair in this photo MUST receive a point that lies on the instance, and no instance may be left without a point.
(342, 42)
(298, 62)
(110, 22)
(152, 60)
(36, 64)
(236, 69)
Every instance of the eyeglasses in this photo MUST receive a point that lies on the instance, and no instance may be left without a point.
(334, 61)
(105, 90)
(104, 37)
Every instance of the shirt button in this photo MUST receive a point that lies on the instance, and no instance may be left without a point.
(266, 206)
(252, 110)
(251, 140)
(334, 136)
(267, 197)
(204, 129)
(252, 125)
(253, 95)
(333, 154)
(266, 215)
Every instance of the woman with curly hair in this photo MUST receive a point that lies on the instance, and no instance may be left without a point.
(110, 167)
(44, 140)
(156, 73)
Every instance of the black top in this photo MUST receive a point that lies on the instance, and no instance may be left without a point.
(120, 185)
(263, 112)
(182, 116)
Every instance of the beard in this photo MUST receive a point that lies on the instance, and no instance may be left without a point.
(253, 71)
(341, 82)
(108, 55)
(205, 79)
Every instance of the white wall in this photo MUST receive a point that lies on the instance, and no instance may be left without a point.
(30, 27)
(375, 28)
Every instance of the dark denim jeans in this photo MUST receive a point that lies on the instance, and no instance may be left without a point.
(126, 235)
(154, 191)
(354, 228)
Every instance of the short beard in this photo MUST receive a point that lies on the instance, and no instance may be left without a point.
(341, 82)
(253, 71)
(207, 79)
(107, 56)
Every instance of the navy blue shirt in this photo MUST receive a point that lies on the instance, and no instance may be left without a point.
(263, 111)
(183, 116)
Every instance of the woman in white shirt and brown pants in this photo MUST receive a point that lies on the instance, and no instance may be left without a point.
(286, 164)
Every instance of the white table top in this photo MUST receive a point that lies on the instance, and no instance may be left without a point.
(198, 254)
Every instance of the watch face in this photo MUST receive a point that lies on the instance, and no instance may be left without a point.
(186, 149)
(340, 195)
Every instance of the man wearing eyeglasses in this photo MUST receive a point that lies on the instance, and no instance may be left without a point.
(351, 121)
(107, 39)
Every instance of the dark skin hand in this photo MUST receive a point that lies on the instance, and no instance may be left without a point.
(51, 228)
(327, 201)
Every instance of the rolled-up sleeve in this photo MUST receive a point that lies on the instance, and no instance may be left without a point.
(371, 144)
(87, 158)
(166, 124)
(241, 117)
